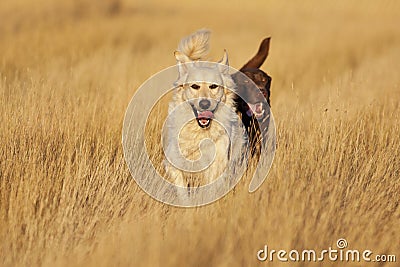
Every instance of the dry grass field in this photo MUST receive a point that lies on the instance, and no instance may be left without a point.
(69, 68)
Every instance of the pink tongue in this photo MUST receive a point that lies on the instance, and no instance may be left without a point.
(259, 107)
(205, 115)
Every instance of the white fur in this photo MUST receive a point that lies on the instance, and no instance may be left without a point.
(193, 48)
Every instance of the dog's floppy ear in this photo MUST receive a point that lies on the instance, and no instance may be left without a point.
(260, 57)
(224, 59)
(224, 67)
(182, 67)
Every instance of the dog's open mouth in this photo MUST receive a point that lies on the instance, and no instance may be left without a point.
(204, 118)
(257, 109)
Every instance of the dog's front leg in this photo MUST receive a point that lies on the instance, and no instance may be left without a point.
(178, 179)
(218, 168)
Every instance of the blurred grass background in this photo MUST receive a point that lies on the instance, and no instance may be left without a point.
(69, 68)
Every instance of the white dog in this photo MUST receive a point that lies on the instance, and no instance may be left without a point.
(202, 108)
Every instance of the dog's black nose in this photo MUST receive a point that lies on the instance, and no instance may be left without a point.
(204, 103)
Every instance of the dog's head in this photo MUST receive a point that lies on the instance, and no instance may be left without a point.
(203, 86)
(204, 98)
(255, 98)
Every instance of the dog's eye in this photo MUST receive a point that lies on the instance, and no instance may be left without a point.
(195, 86)
(213, 86)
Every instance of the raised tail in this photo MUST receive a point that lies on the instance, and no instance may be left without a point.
(260, 57)
(194, 47)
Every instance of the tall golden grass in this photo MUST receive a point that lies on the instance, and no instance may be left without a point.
(69, 68)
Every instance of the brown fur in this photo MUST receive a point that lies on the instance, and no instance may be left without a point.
(263, 82)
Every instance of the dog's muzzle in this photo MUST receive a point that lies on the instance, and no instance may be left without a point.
(204, 118)
(256, 109)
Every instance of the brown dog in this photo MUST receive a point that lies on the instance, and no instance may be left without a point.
(255, 109)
